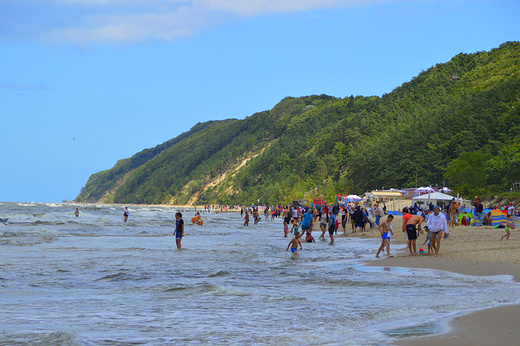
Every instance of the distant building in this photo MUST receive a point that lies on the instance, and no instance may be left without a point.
(384, 195)
(419, 191)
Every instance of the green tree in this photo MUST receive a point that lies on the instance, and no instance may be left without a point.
(467, 172)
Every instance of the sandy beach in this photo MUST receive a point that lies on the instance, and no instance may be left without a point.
(471, 251)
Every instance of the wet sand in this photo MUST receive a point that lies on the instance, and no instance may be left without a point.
(470, 251)
(497, 326)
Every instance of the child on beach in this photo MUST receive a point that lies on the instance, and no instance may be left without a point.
(295, 226)
(179, 229)
(508, 226)
(309, 238)
(428, 239)
(384, 229)
(294, 244)
(198, 219)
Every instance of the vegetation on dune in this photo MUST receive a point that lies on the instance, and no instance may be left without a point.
(456, 123)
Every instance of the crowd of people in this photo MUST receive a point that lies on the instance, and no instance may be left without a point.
(434, 221)
(303, 220)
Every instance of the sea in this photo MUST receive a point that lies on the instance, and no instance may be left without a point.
(95, 280)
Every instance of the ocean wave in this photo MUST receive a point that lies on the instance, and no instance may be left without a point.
(205, 289)
(121, 276)
(43, 339)
(28, 237)
(92, 235)
(219, 274)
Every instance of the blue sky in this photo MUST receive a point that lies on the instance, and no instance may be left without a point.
(120, 76)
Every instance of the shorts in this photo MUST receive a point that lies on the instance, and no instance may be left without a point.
(411, 231)
(360, 224)
(287, 219)
(384, 236)
(453, 217)
(323, 224)
(178, 235)
(305, 227)
(332, 228)
(293, 250)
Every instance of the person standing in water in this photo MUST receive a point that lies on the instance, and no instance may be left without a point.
(386, 230)
(306, 222)
(293, 244)
(332, 227)
(179, 229)
(76, 212)
(126, 212)
(246, 219)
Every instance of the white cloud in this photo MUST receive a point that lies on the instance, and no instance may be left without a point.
(133, 28)
(260, 7)
(131, 21)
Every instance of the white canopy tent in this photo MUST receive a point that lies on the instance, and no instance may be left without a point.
(439, 196)
(433, 197)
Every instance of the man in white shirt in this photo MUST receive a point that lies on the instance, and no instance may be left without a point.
(437, 225)
(510, 209)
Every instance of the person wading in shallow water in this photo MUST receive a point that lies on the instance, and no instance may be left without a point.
(126, 212)
(179, 229)
(246, 219)
(385, 230)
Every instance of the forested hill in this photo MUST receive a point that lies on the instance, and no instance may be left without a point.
(457, 122)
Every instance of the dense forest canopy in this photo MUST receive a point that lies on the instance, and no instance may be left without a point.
(455, 124)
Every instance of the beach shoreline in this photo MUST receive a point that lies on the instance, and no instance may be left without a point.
(493, 326)
(468, 250)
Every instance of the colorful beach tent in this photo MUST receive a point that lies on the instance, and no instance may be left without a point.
(497, 217)
(469, 217)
